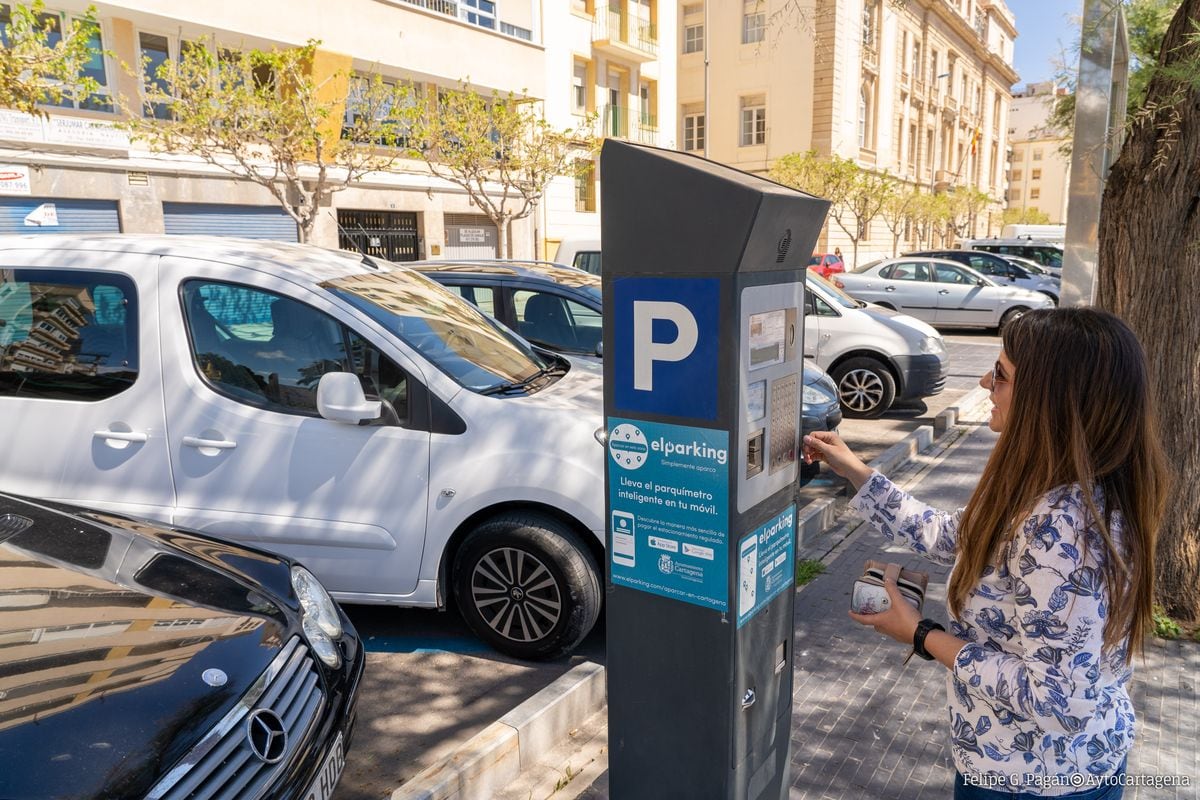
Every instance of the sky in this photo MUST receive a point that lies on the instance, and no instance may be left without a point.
(1045, 30)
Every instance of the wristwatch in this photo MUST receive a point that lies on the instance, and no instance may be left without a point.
(923, 628)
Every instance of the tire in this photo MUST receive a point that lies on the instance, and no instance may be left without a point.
(888, 306)
(866, 388)
(526, 585)
(1010, 316)
(1052, 297)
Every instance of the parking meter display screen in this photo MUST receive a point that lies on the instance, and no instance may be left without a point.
(767, 332)
(669, 496)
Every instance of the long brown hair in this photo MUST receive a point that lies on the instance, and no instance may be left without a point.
(1081, 413)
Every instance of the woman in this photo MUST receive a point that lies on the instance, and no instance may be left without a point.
(1053, 581)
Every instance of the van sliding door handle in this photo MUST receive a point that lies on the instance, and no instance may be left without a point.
(121, 436)
(216, 444)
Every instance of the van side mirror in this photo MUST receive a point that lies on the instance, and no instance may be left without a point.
(600, 349)
(980, 282)
(340, 398)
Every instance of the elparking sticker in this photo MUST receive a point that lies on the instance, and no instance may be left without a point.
(669, 495)
(765, 564)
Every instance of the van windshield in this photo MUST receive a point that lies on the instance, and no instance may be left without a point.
(451, 333)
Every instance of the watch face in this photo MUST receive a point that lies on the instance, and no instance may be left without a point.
(627, 445)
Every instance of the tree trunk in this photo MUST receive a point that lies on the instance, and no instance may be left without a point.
(1148, 273)
(503, 245)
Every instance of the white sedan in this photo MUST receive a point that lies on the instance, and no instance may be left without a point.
(940, 292)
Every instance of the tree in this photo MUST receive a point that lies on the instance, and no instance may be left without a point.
(265, 117)
(899, 211)
(1146, 23)
(930, 213)
(499, 150)
(966, 204)
(1024, 216)
(41, 61)
(1149, 267)
(856, 195)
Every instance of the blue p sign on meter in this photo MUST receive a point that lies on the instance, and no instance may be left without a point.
(666, 339)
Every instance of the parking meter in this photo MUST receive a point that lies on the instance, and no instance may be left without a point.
(703, 282)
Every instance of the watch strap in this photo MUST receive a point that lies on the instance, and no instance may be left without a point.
(923, 628)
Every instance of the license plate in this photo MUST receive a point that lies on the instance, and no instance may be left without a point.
(331, 770)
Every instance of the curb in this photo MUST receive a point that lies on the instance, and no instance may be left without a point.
(494, 757)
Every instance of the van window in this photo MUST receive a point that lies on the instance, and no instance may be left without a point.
(270, 351)
(67, 335)
(588, 261)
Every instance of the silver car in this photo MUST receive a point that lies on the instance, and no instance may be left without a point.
(940, 292)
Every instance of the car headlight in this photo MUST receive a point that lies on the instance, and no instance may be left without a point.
(932, 344)
(815, 394)
(320, 620)
(321, 644)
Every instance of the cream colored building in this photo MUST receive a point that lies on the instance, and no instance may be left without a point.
(1040, 174)
(75, 171)
(917, 89)
(614, 59)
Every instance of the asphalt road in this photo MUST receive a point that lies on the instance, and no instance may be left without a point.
(430, 685)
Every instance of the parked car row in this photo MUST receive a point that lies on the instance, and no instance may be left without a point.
(229, 410)
(941, 292)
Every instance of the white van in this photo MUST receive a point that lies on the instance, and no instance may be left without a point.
(582, 254)
(875, 356)
(344, 411)
(1048, 254)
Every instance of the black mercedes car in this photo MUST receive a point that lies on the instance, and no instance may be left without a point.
(143, 661)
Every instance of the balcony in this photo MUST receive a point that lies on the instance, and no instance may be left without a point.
(870, 57)
(625, 123)
(943, 179)
(918, 89)
(951, 104)
(617, 33)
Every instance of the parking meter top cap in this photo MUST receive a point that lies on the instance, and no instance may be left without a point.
(659, 206)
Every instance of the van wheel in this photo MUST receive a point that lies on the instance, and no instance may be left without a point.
(526, 585)
(888, 306)
(865, 387)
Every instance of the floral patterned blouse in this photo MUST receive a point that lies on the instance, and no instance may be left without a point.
(1032, 695)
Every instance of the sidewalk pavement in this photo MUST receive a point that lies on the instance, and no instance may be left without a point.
(866, 726)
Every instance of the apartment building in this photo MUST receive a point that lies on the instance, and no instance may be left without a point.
(614, 59)
(920, 90)
(75, 171)
(1040, 174)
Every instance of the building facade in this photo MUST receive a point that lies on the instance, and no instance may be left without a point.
(920, 90)
(1040, 176)
(76, 171)
(612, 61)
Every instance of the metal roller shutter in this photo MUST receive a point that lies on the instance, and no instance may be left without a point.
(70, 216)
(244, 222)
(470, 236)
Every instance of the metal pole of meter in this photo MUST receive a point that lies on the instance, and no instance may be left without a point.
(704, 358)
(1100, 99)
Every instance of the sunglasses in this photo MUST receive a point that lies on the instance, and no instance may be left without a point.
(998, 375)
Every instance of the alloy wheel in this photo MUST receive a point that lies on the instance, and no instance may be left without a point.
(861, 390)
(516, 594)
